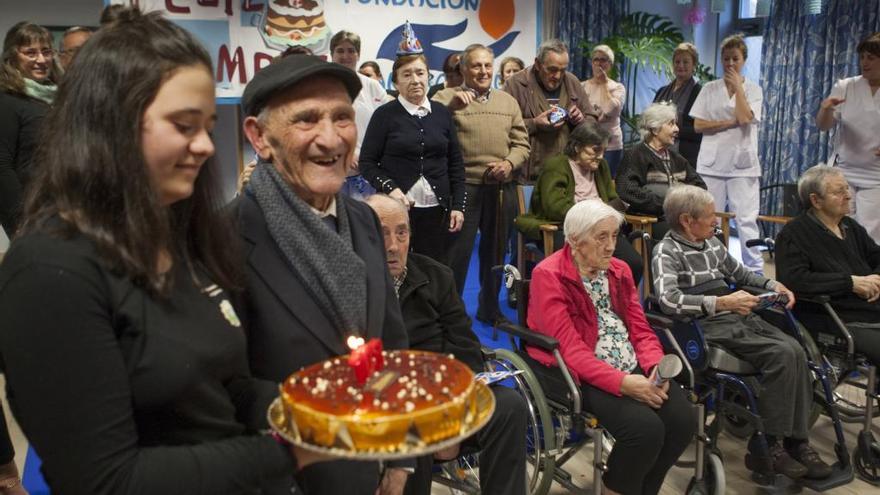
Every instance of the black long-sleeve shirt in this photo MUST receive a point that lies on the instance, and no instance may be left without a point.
(123, 393)
(20, 121)
(811, 260)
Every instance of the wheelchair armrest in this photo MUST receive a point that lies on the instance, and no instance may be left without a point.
(548, 227)
(751, 289)
(488, 354)
(530, 337)
(637, 220)
(819, 299)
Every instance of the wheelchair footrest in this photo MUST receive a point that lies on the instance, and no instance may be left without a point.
(840, 476)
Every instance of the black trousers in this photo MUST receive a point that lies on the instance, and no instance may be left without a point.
(489, 209)
(502, 445)
(429, 232)
(343, 477)
(647, 441)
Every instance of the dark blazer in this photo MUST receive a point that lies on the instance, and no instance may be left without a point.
(435, 316)
(286, 328)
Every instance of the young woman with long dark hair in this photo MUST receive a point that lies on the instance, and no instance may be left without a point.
(126, 364)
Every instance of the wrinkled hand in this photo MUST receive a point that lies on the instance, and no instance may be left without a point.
(785, 292)
(392, 482)
(245, 175)
(575, 116)
(500, 171)
(542, 121)
(740, 302)
(456, 220)
(461, 100)
(641, 389)
(831, 102)
(398, 195)
(866, 287)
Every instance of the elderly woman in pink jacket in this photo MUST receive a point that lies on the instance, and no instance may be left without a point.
(587, 300)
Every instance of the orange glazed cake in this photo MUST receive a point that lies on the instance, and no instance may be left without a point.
(417, 399)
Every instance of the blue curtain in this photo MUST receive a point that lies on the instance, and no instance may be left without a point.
(803, 56)
(588, 21)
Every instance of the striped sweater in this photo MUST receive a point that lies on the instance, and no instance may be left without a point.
(685, 271)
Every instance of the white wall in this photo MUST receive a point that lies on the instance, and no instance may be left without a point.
(50, 12)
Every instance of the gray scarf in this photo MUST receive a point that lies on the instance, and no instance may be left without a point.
(324, 260)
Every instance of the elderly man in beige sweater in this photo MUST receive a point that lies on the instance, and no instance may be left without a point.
(494, 142)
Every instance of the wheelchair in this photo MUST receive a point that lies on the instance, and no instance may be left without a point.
(558, 426)
(727, 385)
(851, 375)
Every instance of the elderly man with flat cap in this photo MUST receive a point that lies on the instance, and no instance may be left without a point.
(315, 262)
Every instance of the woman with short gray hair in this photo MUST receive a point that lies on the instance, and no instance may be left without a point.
(585, 298)
(825, 251)
(653, 166)
(578, 174)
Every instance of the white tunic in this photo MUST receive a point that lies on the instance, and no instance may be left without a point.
(732, 152)
(858, 131)
(371, 97)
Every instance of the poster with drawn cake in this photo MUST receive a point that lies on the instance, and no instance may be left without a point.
(243, 36)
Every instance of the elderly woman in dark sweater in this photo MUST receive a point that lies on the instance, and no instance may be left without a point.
(578, 174)
(651, 167)
(823, 251)
(411, 153)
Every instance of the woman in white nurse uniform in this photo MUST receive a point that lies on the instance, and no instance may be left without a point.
(727, 112)
(854, 104)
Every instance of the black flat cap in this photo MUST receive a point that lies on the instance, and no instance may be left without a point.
(289, 71)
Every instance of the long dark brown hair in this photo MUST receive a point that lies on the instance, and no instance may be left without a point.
(92, 171)
(19, 35)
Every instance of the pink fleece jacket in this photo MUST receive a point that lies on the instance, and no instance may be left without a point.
(560, 307)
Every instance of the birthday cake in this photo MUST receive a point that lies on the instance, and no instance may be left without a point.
(410, 400)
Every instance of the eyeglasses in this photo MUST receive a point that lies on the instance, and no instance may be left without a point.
(601, 60)
(34, 54)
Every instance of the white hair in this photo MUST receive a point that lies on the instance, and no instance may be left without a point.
(583, 216)
(655, 116)
(605, 49)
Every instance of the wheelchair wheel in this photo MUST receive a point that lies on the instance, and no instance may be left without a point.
(736, 425)
(850, 396)
(540, 434)
(714, 479)
(868, 469)
(461, 475)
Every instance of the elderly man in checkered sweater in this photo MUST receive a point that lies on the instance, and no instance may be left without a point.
(692, 269)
